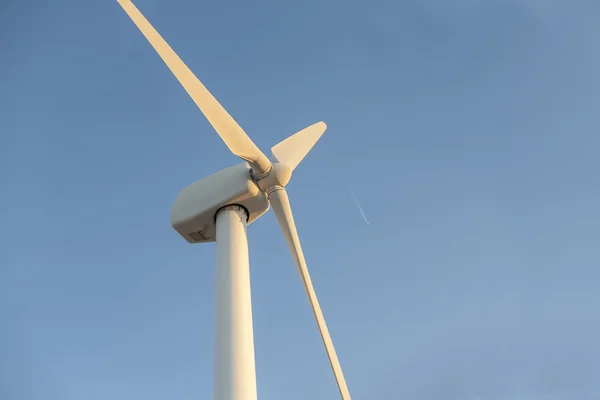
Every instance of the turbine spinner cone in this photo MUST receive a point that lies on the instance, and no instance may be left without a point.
(280, 175)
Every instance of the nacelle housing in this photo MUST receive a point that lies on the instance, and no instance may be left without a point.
(193, 214)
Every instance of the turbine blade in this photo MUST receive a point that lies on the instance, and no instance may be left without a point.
(232, 134)
(292, 150)
(281, 205)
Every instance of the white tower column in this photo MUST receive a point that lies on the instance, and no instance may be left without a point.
(234, 372)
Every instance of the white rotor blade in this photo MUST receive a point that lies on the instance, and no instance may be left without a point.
(293, 149)
(232, 134)
(281, 206)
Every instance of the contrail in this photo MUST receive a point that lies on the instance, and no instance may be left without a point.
(358, 205)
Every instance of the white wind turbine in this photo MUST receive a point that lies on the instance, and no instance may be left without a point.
(219, 207)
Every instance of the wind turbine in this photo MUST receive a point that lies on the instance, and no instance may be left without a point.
(220, 206)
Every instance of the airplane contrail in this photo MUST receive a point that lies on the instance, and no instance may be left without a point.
(358, 205)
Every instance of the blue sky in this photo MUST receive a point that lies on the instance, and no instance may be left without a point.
(467, 129)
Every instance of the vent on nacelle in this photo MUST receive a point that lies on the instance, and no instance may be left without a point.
(197, 236)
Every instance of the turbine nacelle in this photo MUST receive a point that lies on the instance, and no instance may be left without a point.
(194, 213)
(196, 206)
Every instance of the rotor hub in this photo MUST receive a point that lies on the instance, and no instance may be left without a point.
(279, 175)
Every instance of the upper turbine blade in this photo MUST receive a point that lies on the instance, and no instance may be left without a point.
(281, 205)
(232, 134)
(293, 149)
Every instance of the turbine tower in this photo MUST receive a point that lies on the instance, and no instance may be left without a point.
(220, 206)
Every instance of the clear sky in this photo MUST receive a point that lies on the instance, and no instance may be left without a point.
(468, 129)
